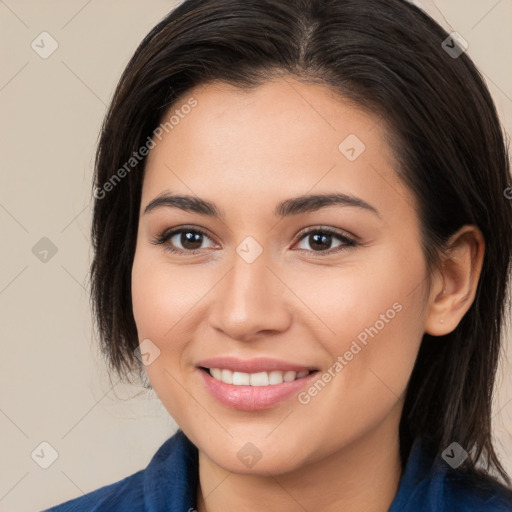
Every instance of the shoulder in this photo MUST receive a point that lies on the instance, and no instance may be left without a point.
(168, 478)
(430, 484)
(476, 491)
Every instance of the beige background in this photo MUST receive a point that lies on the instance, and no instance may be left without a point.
(53, 384)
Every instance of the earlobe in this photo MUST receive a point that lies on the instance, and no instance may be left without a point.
(454, 290)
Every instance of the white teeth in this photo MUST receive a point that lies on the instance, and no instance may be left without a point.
(256, 379)
(259, 379)
(275, 377)
(227, 376)
(216, 372)
(289, 376)
(241, 379)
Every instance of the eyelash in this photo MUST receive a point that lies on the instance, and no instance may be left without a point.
(166, 235)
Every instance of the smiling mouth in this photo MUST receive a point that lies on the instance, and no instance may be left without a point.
(270, 378)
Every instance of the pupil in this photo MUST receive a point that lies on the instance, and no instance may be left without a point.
(319, 240)
(190, 238)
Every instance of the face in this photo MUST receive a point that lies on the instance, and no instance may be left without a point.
(310, 312)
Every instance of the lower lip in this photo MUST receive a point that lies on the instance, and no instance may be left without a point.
(252, 398)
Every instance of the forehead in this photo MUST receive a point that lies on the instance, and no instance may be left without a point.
(281, 138)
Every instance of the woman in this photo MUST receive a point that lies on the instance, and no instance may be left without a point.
(303, 234)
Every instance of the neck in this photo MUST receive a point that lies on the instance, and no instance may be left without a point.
(363, 475)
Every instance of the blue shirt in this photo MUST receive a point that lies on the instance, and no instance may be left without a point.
(169, 484)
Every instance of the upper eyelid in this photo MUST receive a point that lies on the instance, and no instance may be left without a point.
(335, 231)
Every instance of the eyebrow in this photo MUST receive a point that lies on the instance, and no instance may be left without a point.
(292, 206)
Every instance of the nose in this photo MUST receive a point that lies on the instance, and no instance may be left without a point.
(250, 301)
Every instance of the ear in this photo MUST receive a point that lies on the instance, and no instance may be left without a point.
(454, 288)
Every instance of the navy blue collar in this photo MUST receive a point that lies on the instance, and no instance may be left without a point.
(172, 476)
(428, 484)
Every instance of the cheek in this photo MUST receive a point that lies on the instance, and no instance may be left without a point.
(165, 304)
(156, 307)
(152, 309)
(372, 353)
(162, 295)
(371, 316)
(363, 298)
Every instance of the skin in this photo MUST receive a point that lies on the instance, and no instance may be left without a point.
(246, 151)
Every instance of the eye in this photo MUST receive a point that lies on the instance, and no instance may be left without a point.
(320, 240)
(190, 240)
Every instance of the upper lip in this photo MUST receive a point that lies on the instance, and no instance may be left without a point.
(257, 364)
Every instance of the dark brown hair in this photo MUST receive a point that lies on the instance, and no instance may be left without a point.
(385, 56)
